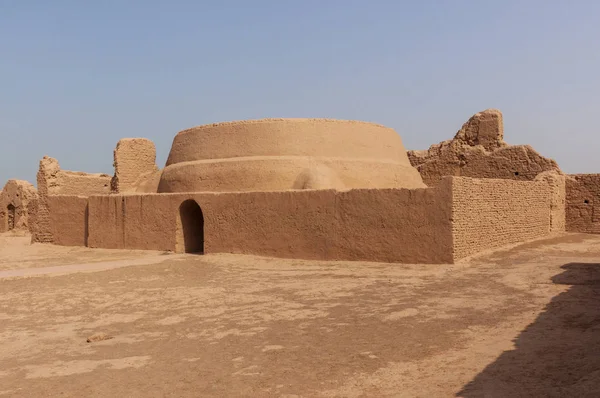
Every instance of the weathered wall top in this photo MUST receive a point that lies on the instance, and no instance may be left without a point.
(478, 150)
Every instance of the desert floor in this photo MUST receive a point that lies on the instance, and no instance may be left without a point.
(520, 322)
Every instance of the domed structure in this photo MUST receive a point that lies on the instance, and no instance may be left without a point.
(286, 154)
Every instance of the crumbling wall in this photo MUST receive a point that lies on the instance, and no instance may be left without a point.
(478, 150)
(15, 199)
(51, 181)
(583, 203)
(490, 213)
(135, 166)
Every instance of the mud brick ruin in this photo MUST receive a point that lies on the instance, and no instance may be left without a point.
(310, 189)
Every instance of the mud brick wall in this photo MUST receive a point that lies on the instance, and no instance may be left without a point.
(135, 164)
(490, 213)
(478, 150)
(582, 203)
(68, 219)
(557, 184)
(15, 201)
(51, 180)
(396, 225)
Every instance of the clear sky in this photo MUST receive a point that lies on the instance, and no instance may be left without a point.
(77, 75)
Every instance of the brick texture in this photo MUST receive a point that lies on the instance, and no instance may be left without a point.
(489, 213)
(582, 199)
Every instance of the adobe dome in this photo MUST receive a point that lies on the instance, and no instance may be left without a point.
(284, 154)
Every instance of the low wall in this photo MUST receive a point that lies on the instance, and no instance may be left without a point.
(396, 225)
(582, 198)
(489, 213)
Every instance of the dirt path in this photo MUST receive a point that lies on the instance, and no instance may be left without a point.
(519, 322)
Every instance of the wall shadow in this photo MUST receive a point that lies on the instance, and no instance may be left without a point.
(558, 355)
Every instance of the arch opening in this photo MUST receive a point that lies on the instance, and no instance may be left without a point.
(11, 212)
(190, 228)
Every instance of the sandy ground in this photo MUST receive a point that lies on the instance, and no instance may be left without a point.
(520, 322)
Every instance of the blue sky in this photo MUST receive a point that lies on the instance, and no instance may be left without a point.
(76, 76)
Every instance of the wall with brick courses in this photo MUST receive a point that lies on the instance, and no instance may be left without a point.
(489, 213)
(583, 203)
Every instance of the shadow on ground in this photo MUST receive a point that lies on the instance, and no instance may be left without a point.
(559, 354)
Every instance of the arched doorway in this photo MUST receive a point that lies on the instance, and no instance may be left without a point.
(190, 228)
(11, 213)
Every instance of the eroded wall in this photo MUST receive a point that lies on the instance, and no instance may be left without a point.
(397, 225)
(52, 181)
(490, 213)
(583, 203)
(478, 150)
(135, 166)
(15, 205)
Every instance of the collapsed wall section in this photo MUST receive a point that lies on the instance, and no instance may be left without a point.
(478, 150)
(583, 203)
(52, 181)
(15, 205)
(490, 213)
(396, 225)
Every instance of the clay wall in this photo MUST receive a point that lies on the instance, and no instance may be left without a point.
(391, 225)
(490, 213)
(397, 225)
(583, 203)
(15, 209)
(51, 180)
(557, 185)
(135, 166)
(478, 150)
(68, 219)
